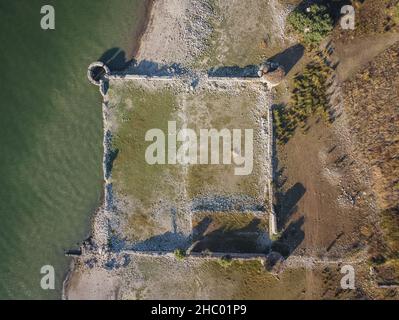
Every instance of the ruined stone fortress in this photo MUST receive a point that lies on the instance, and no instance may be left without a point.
(110, 223)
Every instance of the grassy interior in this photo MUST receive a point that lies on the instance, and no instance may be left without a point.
(209, 279)
(151, 190)
(221, 110)
(157, 199)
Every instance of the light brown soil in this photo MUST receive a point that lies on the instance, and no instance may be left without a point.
(327, 202)
(319, 195)
(97, 284)
(167, 278)
(357, 53)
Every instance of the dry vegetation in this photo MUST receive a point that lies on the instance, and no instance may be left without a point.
(372, 108)
(372, 104)
(209, 279)
(372, 17)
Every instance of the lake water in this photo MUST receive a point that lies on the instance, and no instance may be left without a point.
(51, 131)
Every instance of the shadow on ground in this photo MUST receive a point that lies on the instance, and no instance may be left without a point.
(289, 57)
(226, 203)
(252, 238)
(250, 71)
(117, 61)
(287, 203)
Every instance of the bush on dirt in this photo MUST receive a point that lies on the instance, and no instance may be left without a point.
(390, 226)
(225, 261)
(309, 97)
(180, 254)
(313, 24)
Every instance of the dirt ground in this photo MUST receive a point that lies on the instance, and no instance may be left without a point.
(356, 54)
(319, 195)
(327, 205)
(193, 278)
(157, 278)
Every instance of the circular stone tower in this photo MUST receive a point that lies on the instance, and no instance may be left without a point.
(96, 72)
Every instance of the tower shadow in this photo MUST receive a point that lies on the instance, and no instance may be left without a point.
(289, 57)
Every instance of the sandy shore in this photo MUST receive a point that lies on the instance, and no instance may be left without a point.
(176, 32)
(139, 33)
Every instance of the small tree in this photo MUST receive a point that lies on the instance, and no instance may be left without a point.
(180, 254)
(313, 23)
(225, 261)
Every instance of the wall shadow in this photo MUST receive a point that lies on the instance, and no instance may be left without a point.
(250, 71)
(150, 68)
(226, 203)
(290, 238)
(110, 154)
(287, 203)
(251, 238)
(168, 241)
(115, 59)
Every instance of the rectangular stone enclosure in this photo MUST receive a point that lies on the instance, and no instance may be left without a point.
(183, 200)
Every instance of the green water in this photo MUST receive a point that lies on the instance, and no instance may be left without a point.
(51, 132)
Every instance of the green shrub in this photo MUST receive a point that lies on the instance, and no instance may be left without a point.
(312, 24)
(225, 261)
(180, 254)
(309, 97)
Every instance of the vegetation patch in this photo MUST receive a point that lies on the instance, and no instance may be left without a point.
(220, 109)
(372, 111)
(390, 226)
(313, 23)
(225, 261)
(395, 14)
(309, 98)
(371, 104)
(136, 111)
(180, 254)
(387, 274)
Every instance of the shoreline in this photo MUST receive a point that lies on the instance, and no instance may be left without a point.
(143, 25)
(138, 36)
(164, 41)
